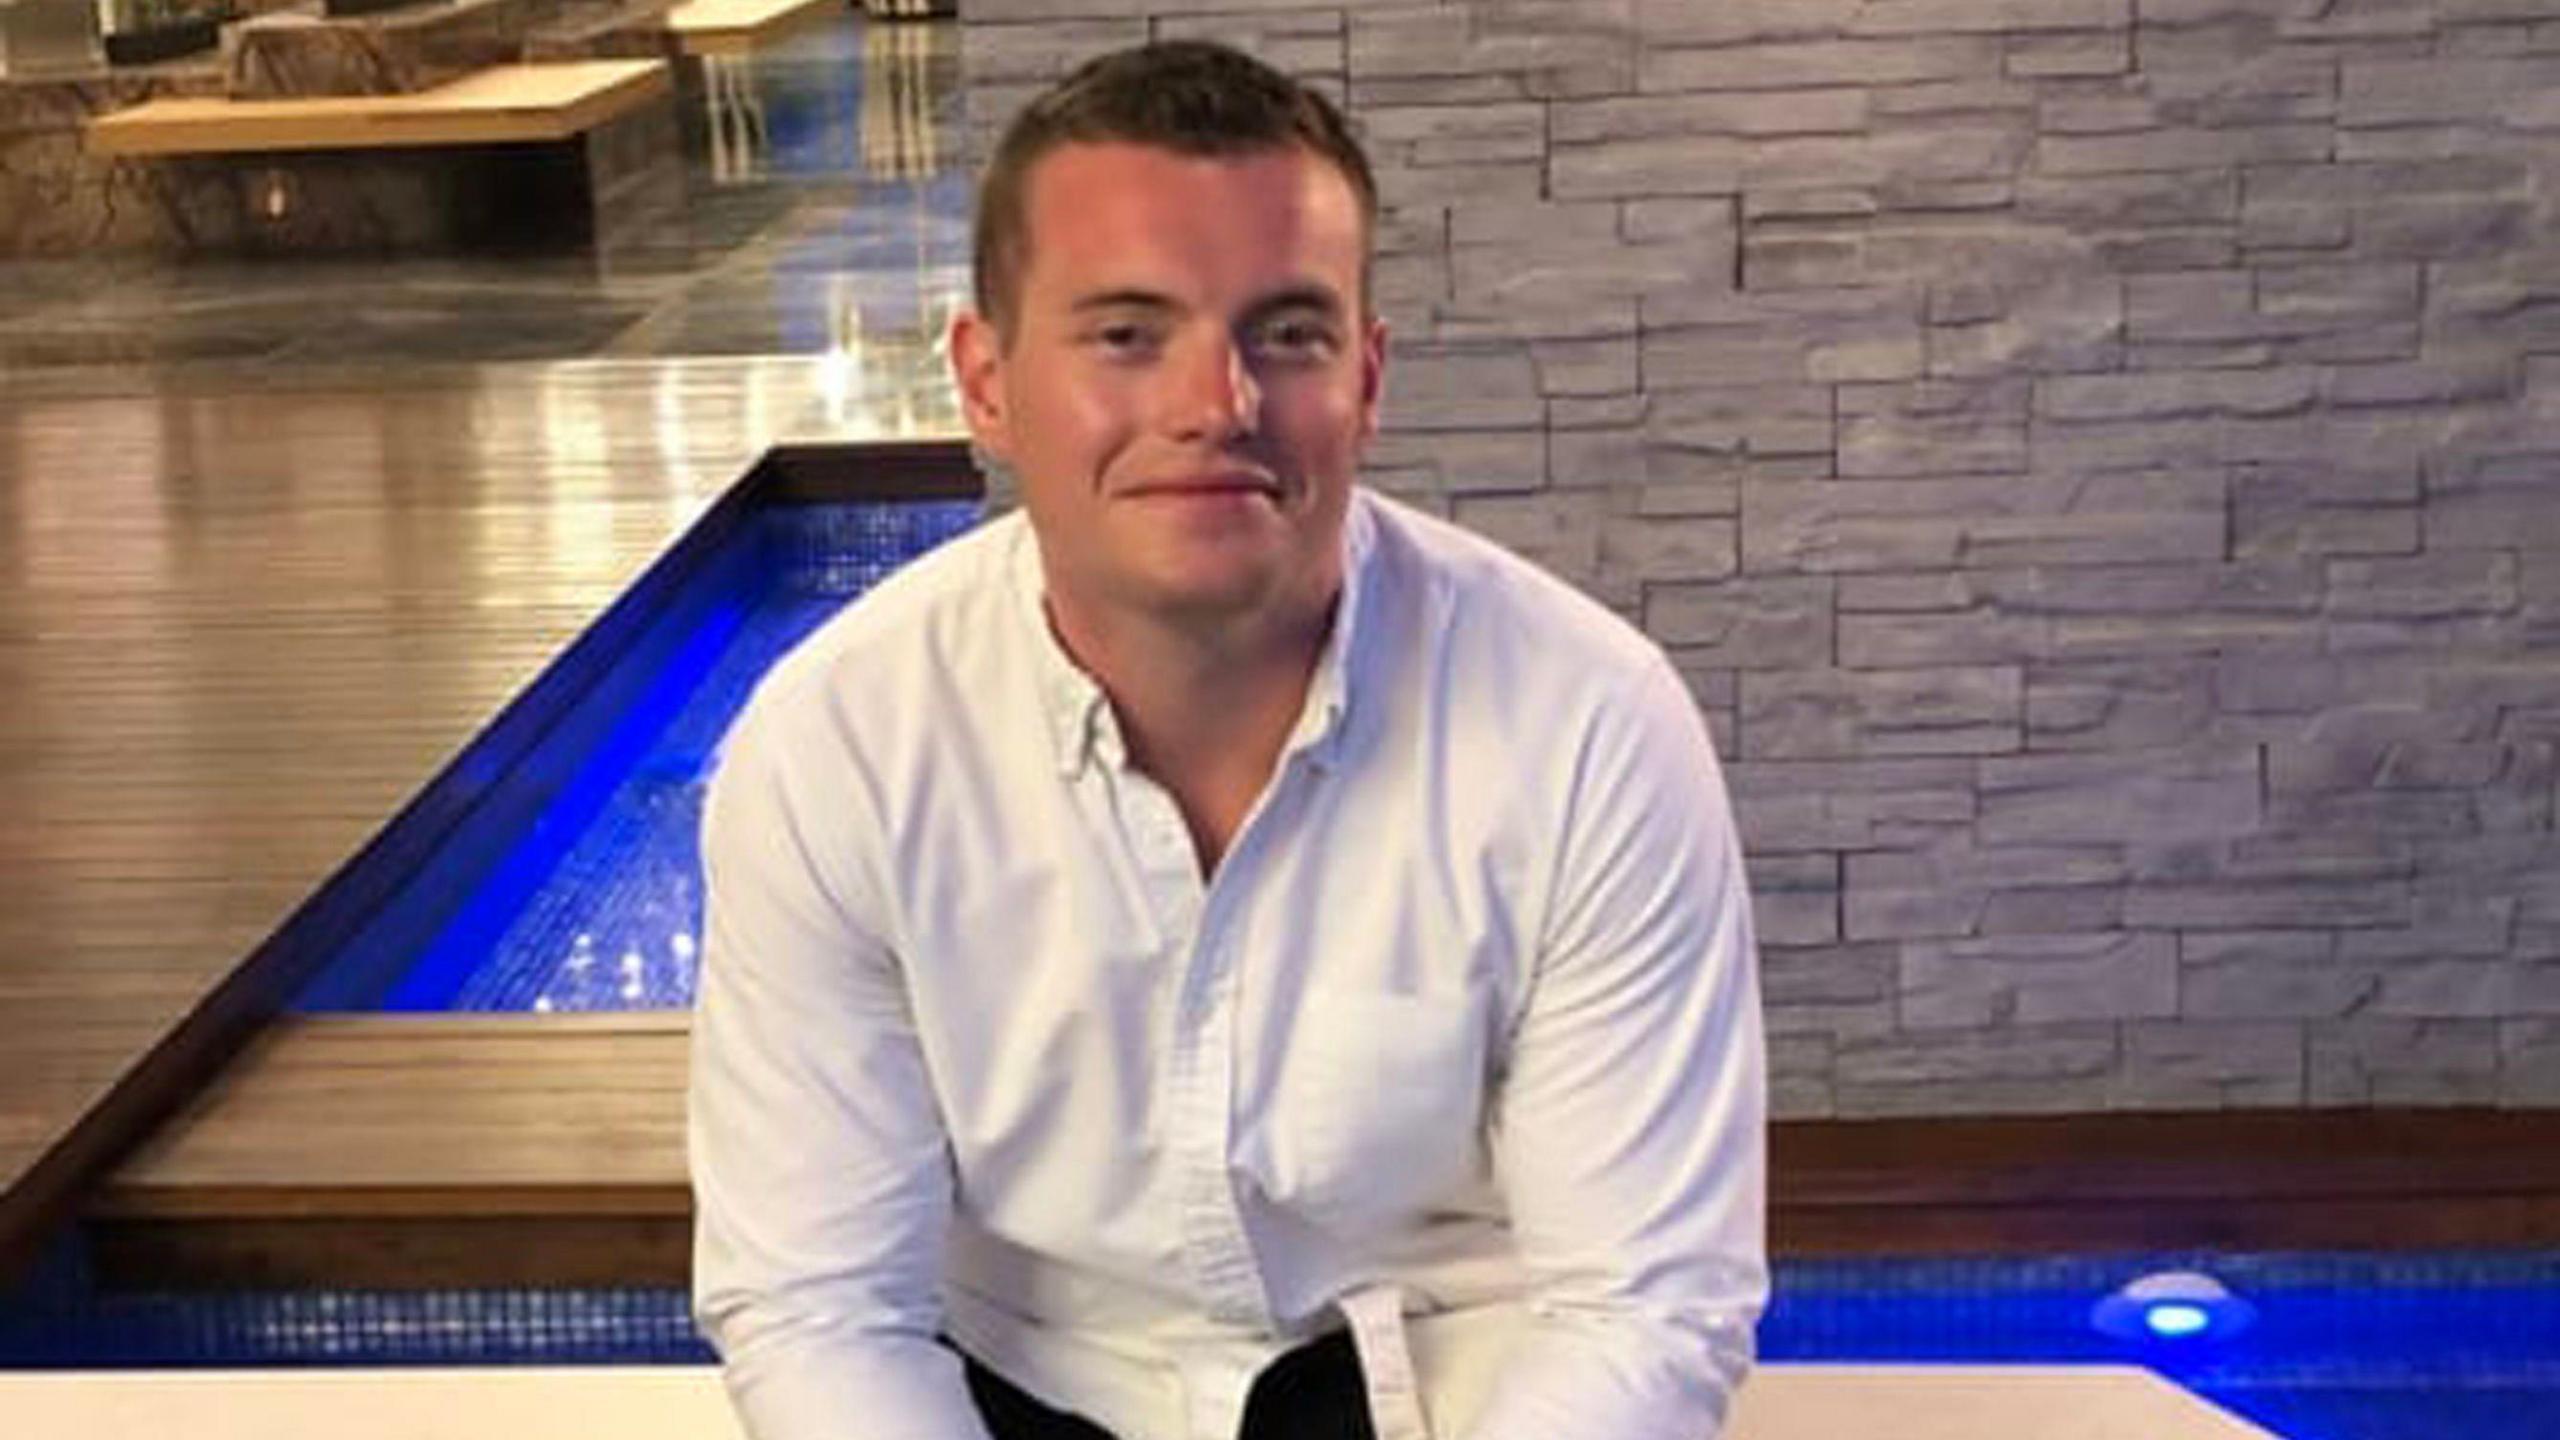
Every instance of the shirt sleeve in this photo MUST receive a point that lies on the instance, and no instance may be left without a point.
(1629, 1137)
(821, 1172)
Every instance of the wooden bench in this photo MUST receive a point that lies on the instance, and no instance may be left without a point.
(734, 28)
(502, 105)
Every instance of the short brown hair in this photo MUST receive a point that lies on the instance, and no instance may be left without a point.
(1192, 97)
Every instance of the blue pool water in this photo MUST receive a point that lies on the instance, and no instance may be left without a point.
(2401, 1347)
(599, 905)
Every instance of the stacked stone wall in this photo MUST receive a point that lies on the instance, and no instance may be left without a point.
(2096, 461)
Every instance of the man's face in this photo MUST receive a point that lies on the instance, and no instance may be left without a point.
(1188, 382)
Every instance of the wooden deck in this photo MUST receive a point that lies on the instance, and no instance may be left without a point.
(392, 1151)
(238, 628)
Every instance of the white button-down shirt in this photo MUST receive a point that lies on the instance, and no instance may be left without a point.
(1460, 1041)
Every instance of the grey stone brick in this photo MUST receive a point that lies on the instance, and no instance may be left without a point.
(1039, 52)
(1303, 42)
(2278, 854)
(2271, 975)
(2090, 111)
(1749, 624)
(2438, 383)
(2424, 587)
(1807, 64)
(1454, 461)
(2038, 979)
(1950, 888)
(1556, 48)
(2070, 324)
(1673, 222)
(2116, 707)
(2197, 442)
(1585, 368)
(1689, 426)
(2041, 1069)
(2441, 926)
(1786, 806)
(2437, 90)
(2137, 199)
(1826, 713)
(2282, 685)
(1654, 548)
(1903, 158)
(1795, 112)
(1938, 427)
(2529, 1062)
(1558, 529)
(1905, 251)
(1566, 255)
(2045, 56)
(2457, 989)
(1655, 166)
(1481, 89)
(2333, 509)
(1685, 22)
(2206, 1064)
(2164, 795)
(1518, 182)
(2353, 19)
(2054, 910)
(2176, 149)
(1957, 17)
(2403, 1062)
(2292, 905)
(2168, 394)
(1431, 135)
(1919, 524)
(1707, 340)
(2489, 504)
(1615, 456)
(2430, 813)
(1465, 387)
(1830, 975)
(1796, 899)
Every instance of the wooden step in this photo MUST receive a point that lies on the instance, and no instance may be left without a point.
(540, 1149)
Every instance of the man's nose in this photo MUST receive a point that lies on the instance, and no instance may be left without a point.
(1215, 396)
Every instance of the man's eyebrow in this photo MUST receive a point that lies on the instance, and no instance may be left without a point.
(1308, 296)
(1122, 299)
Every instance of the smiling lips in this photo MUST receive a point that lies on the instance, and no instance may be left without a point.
(1202, 487)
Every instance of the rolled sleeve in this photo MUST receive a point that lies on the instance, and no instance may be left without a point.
(1630, 1135)
(822, 1176)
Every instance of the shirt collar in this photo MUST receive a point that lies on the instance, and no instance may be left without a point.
(1077, 714)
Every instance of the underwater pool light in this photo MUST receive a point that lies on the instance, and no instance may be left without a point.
(2174, 1305)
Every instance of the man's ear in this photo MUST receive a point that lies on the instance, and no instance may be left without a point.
(977, 368)
(1373, 374)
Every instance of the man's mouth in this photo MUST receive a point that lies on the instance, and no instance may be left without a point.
(1204, 487)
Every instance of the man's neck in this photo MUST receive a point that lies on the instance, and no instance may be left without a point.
(1205, 710)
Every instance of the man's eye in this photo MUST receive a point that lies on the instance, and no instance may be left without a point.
(1124, 337)
(1295, 339)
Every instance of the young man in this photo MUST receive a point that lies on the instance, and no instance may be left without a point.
(1218, 952)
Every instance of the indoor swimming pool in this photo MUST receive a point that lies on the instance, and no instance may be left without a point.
(2343, 1347)
(553, 869)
